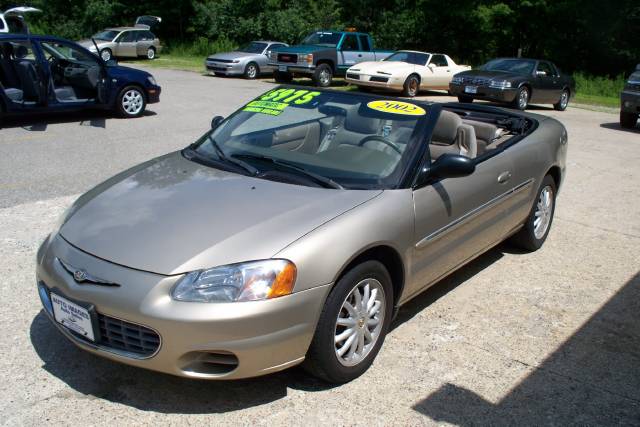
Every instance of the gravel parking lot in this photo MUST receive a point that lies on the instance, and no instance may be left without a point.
(546, 338)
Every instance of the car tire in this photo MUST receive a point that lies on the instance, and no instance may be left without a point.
(628, 120)
(151, 53)
(563, 102)
(323, 75)
(533, 234)
(251, 71)
(131, 102)
(465, 99)
(521, 102)
(106, 54)
(323, 360)
(411, 86)
(281, 77)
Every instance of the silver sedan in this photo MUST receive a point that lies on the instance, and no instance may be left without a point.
(249, 61)
(293, 230)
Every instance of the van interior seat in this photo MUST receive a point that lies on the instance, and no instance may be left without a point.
(14, 94)
(452, 136)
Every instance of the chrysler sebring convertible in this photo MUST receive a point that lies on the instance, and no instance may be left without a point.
(293, 230)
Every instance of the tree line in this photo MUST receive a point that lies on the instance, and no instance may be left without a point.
(592, 36)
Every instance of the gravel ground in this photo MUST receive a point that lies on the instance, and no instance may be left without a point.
(546, 338)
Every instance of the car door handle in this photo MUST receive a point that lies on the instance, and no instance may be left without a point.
(359, 55)
(504, 177)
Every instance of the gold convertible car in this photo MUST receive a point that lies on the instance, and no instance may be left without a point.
(293, 230)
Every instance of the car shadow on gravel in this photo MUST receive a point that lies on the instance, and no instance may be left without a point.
(593, 378)
(616, 126)
(40, 122)
(94, 376)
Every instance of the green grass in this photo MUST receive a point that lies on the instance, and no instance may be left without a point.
(602, 91)
(172, 61)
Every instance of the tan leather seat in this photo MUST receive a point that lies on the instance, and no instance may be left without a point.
(486, 134)
(452, 136)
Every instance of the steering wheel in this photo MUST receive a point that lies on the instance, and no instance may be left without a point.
(379, 138)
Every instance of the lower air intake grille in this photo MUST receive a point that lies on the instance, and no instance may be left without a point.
(379, 79)
(127, 337)
(353, 76)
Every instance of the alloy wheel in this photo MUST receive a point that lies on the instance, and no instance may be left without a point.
(151, 53)
(543, 213)
(252, 71)
(523, 99)
(564, 99)
(360, 321)
(324, 78)
(105, 55)
(132, 102)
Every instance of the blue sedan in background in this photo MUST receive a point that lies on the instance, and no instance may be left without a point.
(46, 74)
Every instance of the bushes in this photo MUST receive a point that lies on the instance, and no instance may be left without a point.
(599, 86)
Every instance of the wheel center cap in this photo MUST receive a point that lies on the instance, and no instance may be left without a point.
(361, 322)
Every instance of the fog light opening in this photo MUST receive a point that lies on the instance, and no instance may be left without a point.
(217, 362)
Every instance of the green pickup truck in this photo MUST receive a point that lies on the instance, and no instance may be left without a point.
(323, 55)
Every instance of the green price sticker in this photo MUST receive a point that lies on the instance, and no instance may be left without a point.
(276, 101)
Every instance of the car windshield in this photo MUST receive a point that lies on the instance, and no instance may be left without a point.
(253, 47)
(354, 140)
(399, 57)
(518, 66)
(106, 35)
(323, 38)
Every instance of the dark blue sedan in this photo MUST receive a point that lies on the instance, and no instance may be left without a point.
(45, 74)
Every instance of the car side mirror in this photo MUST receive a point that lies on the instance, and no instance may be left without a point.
(215, 122)
(111, 63)
(432, 66)
(638, 67)
(448, 166)
(541, 73)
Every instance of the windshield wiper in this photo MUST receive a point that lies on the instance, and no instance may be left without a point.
(253, 171)
(327, 182)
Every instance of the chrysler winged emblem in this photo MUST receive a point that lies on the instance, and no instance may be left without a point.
(79, 275)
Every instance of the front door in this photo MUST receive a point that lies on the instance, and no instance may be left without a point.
(546, 89)
(457, 218)
(126, 44)
(441, 71)
(350, 53)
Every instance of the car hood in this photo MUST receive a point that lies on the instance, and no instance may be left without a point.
(303, 48)
(385, 66)
(231, 55)
(485, 74)
(171, 215)
(127, 73)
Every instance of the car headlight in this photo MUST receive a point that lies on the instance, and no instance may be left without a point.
(500, 84)
(151, 80)
(456, 80)
(250, 281)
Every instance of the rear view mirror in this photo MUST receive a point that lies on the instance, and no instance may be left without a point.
(450, 166)
(215, 122)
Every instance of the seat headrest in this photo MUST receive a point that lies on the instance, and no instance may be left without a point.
(354, 122)
(20, 52)
(446, 130)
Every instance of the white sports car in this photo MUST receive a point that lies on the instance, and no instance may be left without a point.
(407, 71)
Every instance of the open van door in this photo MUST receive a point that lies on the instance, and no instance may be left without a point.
(148, 22)
(15, 21)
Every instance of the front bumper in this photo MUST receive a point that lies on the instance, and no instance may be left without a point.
(630, 102)
(360, 79)
(226, 68)
(485, 92)
(293, 67)
(153, 94)
(198, 340)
